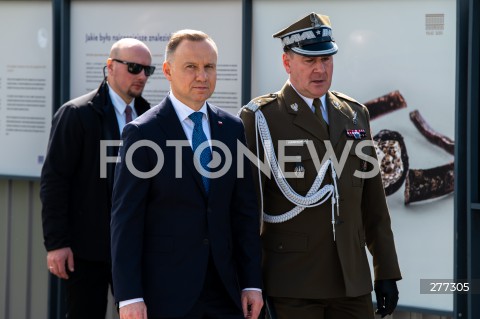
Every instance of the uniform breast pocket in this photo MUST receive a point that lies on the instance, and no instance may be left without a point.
(298, 166)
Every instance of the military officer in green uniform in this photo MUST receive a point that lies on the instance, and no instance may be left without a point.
(321, 205)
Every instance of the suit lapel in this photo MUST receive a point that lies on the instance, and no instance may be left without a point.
(215, 122)
(169, 122)
(173, 130)
(141, 106)
(217, 133)
(111, 121)
(109, 126)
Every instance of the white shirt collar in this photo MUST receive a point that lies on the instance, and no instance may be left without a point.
(183, 111)
(118, 102)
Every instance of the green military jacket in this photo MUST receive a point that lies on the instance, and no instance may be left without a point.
(301, 258)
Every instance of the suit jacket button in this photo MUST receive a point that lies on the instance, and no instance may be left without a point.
(205, 241)
(280, 246)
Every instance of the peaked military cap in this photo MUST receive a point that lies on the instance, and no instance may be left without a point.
(309, 36)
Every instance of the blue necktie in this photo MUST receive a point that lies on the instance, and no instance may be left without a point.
(198, 137)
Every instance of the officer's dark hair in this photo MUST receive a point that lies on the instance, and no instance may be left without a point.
(186, 34)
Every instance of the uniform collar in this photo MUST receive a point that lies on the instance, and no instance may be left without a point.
(309, 101)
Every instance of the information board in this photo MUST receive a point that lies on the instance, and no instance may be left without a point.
(153, 22)
(25, 86)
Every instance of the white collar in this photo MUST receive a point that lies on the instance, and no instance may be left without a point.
(182, 110)
(118, 102)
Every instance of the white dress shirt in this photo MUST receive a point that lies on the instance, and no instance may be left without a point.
(119, 105)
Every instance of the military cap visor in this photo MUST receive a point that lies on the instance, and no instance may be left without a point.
(310, 36)
(316, 49)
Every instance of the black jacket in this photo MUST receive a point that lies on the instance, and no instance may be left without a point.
(76, 201)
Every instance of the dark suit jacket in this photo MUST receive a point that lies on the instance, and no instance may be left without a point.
(76, 202)
(301, 259)
(165, 227)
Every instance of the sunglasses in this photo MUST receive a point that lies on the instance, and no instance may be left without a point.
(136, 68)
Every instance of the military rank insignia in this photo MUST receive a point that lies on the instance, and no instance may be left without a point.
(363, 166)
(356, 134)
(299, 170)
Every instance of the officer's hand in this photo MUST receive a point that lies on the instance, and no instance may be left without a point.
(387, 296)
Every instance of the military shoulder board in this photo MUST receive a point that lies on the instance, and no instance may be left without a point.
(255, 104)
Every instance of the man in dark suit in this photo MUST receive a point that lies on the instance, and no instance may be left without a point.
(316, 226)
(185, 243)
(76, 199)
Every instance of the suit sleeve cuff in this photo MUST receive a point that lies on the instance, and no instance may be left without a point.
(255, 289)
(128, 302)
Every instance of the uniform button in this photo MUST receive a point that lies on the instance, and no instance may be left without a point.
(205, 241)
(280, 246)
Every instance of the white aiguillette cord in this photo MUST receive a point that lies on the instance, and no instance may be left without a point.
(315, 196)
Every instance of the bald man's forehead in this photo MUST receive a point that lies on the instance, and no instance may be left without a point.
(127, 44)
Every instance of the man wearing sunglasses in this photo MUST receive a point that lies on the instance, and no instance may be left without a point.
(76, 198)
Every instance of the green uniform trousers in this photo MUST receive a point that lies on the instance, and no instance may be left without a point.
(335, 308)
